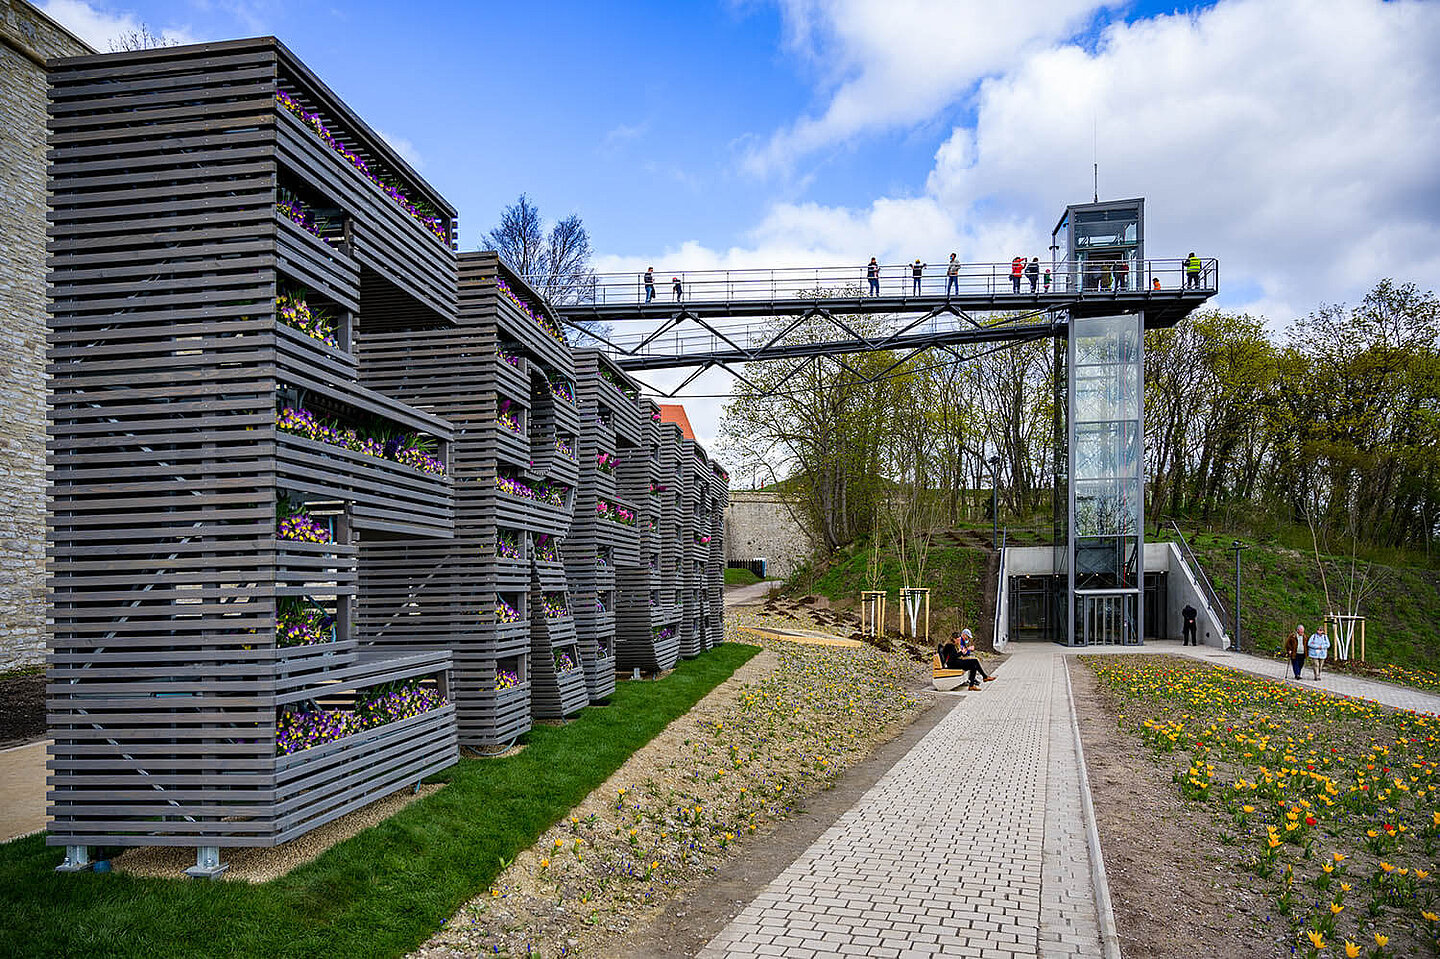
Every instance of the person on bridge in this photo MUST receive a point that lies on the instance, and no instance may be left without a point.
(1017, 270)
(1122, 274)
(1192, 271)
(1047, 279)
(952, 277)
(1155, 283)
(649, 283)
(917, 270)
(872, 273)
(1033, 272)
(1187, 632)
(678, 289)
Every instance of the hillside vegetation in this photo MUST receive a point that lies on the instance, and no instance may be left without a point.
(1281, 587)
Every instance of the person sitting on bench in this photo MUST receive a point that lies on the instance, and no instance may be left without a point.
(966, 657)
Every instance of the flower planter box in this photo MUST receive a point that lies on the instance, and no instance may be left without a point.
(388, 497)
(494, 717)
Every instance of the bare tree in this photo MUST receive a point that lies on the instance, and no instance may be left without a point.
(140, 38)
(555, 263)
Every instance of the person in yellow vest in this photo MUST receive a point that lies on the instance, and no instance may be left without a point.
(1192, 271)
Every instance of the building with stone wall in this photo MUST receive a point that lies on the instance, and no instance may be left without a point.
(766, 525)
(27, 39)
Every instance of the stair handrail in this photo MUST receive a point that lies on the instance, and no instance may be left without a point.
(1211, 597)
(996, 642)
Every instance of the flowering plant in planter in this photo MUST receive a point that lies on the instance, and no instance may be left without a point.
(552, 494)
(298, 623)
(564, 448)
(602, 561)
(421, 212)
(539, 318)
(606, 462)
(411, 449)
(547, 550)
(294, 312)
(614, 383)
(509, 418)
(600, 605)
(507, 357)
(658, 488)
(624, 517)
(297, 525)
(507, 545)
(655, 416)
(662, 633)
(564, 662)
(292, 209)
(297, 730)
(702, 540)
(554, 605)
(563, 391)
(392, 702)
(513, 486)
(506, 679)
(505, 613)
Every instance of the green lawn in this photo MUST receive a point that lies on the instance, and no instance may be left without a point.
(379, 894)
(741, 577)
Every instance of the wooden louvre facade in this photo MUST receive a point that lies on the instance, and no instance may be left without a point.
(199, 651)
(313, 475)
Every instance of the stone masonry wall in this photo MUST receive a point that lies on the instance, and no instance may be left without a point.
(27, 39)
(762, 524)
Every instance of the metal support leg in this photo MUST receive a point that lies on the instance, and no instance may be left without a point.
(77, 859)
(207, 863)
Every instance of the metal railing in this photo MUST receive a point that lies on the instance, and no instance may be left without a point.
(999, 639)
(897, 281)
(1212, 599)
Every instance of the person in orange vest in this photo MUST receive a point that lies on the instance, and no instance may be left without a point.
(1017, 270)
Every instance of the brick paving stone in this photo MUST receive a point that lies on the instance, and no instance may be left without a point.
(973, 844)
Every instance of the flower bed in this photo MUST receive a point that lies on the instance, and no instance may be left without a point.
(421, 212)
(1330, 801)
(552, 494)
(661, 633)
(512, 359)
(615, 513)
(506, 679)
(606, 462)
(609, 378)
(297, 730)
(563, 447)
(562, 390)
(409, 449)
(564, 662)
(539, 318)
(294, 312)
(554, 605)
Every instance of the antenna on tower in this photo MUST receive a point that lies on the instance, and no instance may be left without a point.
(1095, 152)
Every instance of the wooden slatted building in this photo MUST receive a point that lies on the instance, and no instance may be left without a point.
(217, 462)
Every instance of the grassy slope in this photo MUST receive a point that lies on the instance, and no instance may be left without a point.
(954, 574)
(740, 577)
(379, 894)
(1280, 587)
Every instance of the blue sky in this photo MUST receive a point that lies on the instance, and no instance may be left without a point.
(1296, 140)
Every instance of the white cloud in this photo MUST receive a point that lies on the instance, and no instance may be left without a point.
(405, 148)
(98, 25)
(897, 62)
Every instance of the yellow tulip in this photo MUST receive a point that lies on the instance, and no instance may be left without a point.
(1316, 939)
(1336, 909)
(1351, 950)
(1381, 941)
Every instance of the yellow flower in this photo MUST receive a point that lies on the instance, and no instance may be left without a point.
(1248, 808)
(1328, 868)
(1344, 887)
(1387, 867)
(1351, 950)
(1316, 939)
(1430, 917)
(1421, 874)
(1339, 857)
(544, 864)
(1336, 909)
(1381, 941)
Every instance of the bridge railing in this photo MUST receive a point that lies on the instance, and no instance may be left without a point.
(897, 281)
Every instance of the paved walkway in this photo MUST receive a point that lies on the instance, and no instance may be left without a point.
(22, 790)
(1275, 667)
(753, 595)
(974, 844)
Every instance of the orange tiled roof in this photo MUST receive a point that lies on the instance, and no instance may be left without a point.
(675, 413)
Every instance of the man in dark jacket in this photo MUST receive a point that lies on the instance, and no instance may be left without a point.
(1188, 637)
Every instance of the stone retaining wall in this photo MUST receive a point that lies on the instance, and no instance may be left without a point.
(27, 39)
(765, 524)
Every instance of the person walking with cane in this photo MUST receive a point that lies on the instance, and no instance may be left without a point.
(1295, 650)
